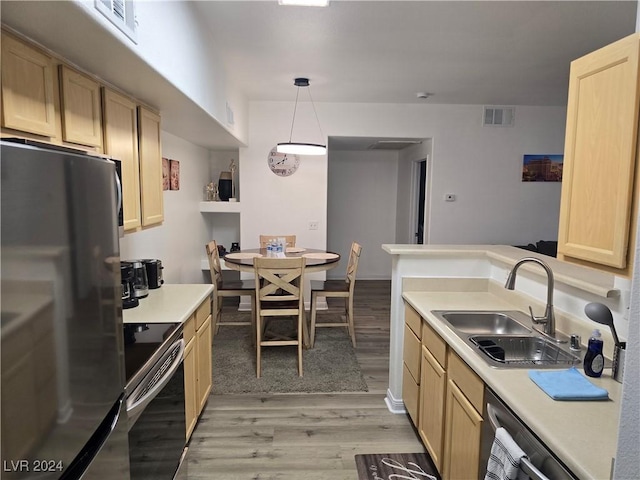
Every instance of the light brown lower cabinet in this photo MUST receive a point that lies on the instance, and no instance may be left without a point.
(433, 385)
(411, 363)
(451, 396)
(190, 385)
(463, 421)
(197, 363)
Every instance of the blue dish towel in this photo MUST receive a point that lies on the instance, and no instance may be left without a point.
(567, 385)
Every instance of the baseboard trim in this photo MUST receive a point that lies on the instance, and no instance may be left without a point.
(393, 404)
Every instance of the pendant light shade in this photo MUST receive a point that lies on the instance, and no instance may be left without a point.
(300, 148)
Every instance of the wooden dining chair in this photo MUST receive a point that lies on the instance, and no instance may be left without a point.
(289, 239)
(224, 288)
(279, 294)
(337, 288)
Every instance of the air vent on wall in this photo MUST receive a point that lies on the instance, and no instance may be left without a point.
(498, 116)
(121, 14)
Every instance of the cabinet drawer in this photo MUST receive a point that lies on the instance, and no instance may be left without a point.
(189, 329)
(413, 319)
(203, 312)
(410, 394)
(412, 353)
(435, 344)
(466, 380)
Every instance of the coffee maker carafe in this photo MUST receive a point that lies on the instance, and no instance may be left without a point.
(128, 297)
(140, 281)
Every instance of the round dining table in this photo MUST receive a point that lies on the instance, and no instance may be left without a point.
(316, 260)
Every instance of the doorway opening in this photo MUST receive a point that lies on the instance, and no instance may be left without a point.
(419, 201)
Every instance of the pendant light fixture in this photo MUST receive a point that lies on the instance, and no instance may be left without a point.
(299, 148)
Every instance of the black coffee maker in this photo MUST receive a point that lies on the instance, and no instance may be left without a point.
(127, 273)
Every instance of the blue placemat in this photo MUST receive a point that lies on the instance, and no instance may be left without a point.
(567, 385)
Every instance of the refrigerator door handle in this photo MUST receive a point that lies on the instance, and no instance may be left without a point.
(79, 465)
(118, 192)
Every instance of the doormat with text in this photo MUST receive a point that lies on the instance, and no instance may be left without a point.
(390, 466)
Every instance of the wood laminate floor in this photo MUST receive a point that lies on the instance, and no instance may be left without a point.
(307, 436)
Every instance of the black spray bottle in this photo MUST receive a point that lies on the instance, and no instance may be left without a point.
(593, 359)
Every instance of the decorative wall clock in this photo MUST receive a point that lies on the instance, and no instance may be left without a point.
(283, 164)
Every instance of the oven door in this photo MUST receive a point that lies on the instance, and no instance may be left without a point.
(156, 412)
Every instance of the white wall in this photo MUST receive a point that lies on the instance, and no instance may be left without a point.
(190, 60)
(362, 193)
(482, 166)
(179, 242)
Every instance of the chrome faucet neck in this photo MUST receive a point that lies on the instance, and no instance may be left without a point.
(549, 317)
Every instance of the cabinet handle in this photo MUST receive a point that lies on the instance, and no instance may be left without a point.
(525, 464)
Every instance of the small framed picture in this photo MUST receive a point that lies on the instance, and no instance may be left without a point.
(542, 168)
(165, 173)
(174, 175)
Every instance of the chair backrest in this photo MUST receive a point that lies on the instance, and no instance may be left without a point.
(214, 263)
(289, 239)
(352, 266)
(279, 280)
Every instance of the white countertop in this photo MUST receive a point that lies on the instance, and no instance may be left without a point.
(582, 434)
(168, 304)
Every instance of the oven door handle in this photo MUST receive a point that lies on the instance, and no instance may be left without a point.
(136, 407)
(525, 464)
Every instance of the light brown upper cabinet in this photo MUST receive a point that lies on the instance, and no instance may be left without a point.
(27, 88)
(598, 208)
(150, 167)
(121, 142)
(81, 108)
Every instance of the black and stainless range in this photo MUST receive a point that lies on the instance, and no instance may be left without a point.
(155, 399)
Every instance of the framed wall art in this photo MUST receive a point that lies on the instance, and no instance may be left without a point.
(174, 175)
(165, 173)
(542, 168)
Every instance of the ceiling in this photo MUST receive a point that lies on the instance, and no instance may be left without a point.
(463, 52)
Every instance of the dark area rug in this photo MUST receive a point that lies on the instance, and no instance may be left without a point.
(416, 466)
(331, 366)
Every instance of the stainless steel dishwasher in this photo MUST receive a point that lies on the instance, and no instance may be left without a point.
(541, 464)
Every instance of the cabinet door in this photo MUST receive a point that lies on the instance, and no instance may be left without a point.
(81, 108)
(27, 88)
(203, 337)
(600, 155)
(150, 167)
(190, 386)
(433, 386)
(462, 437)
(121, 142)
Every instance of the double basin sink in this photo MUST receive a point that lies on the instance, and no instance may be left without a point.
(503, 339)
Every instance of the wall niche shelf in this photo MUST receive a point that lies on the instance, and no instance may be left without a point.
(220, 207)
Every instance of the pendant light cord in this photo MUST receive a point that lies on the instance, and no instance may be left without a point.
(295, 108)
(316, 114)
(293, 121)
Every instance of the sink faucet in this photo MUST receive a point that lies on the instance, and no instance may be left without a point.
(549, 319)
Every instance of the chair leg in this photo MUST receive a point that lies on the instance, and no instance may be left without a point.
(301, 337)
(312, 329)
(253, 316)
(217, 314)
(258, 347)
(305, 330)
(351, 327)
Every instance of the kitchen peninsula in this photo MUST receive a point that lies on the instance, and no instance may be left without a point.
(431, 277)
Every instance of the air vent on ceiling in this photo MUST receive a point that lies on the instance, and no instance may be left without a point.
(121, 14)
(498, 116)
(393, 144)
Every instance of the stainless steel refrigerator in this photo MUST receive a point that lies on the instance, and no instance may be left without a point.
(61, 332)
